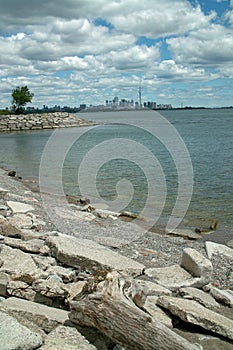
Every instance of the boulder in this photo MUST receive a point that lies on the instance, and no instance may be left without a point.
(66, 338)
(201, 297)
(192, 312)
(91, 255)
(46, 317)
(14, 336)
(197, 265)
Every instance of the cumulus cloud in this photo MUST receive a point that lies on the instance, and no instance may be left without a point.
(208, 46)
(92, 48)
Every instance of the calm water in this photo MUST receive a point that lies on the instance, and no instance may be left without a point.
(147, 152)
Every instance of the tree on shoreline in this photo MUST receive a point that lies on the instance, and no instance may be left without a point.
(20, 97)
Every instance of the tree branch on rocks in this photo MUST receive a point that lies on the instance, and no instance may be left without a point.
(114, 307)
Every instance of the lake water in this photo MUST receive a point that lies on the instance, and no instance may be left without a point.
(136, 160)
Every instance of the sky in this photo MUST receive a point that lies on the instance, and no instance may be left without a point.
(70, 52)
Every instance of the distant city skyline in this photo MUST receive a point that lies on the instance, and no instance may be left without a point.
(74, 52)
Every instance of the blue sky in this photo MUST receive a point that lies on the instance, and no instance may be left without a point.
(70, 52)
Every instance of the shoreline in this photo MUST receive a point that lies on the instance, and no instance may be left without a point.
(47, 260)
(41, 121)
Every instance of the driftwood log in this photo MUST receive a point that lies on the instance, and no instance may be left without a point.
(113, 307)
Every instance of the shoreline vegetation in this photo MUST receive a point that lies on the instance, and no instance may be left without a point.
(74, 275)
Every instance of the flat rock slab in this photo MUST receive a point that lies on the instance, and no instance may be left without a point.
(192, 312)
(224, 296)
(21, 221)
(14, 336)
(201, 297)
(43, 316)
(185, 233)
(213, 248)
(172, 277)
(91, 255)
(18, 207)
(17, 263)
(66, 338)
(155, 311)
(154, 289)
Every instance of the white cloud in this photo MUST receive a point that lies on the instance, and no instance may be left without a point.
(94, 48)
(210, 47)
(155, 19)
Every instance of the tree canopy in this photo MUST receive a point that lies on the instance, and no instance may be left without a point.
(20, 97)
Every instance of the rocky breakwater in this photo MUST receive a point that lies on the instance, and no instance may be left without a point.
(41, 121)
(62, 292)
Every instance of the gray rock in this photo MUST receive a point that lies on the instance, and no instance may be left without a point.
(154, 289)
(230, 243)
(66, 338)
(197, 265)
(192, 312)
(67, 275)
(21, 221)
(14, 336)
(2, 237)
(3, 192)
(213, 248)
(18, 207)
(32, 246)
(155, 311)
(51, 288)
(21, 290)
(224, 296)
(185, 233)
(201, 297)
(18, 264)
(172, 277)
(83, 252)
(4, 280)
(46, 317)
(44, 262)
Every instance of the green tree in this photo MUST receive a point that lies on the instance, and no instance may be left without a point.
(20, 97)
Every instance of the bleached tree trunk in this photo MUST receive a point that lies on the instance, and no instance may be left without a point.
(112, 309)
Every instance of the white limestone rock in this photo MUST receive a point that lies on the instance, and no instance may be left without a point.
(172, 277)
(156, 312)
(21, 221)
(66, 338)
(201, 297)
(224, 296)
(213, 248)
(197, 265)
(192, 312)
(35, 246)
(19, 265)
(83, 252)
(154, 289)
(46, 317)
(14, 336)
(19, 207)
